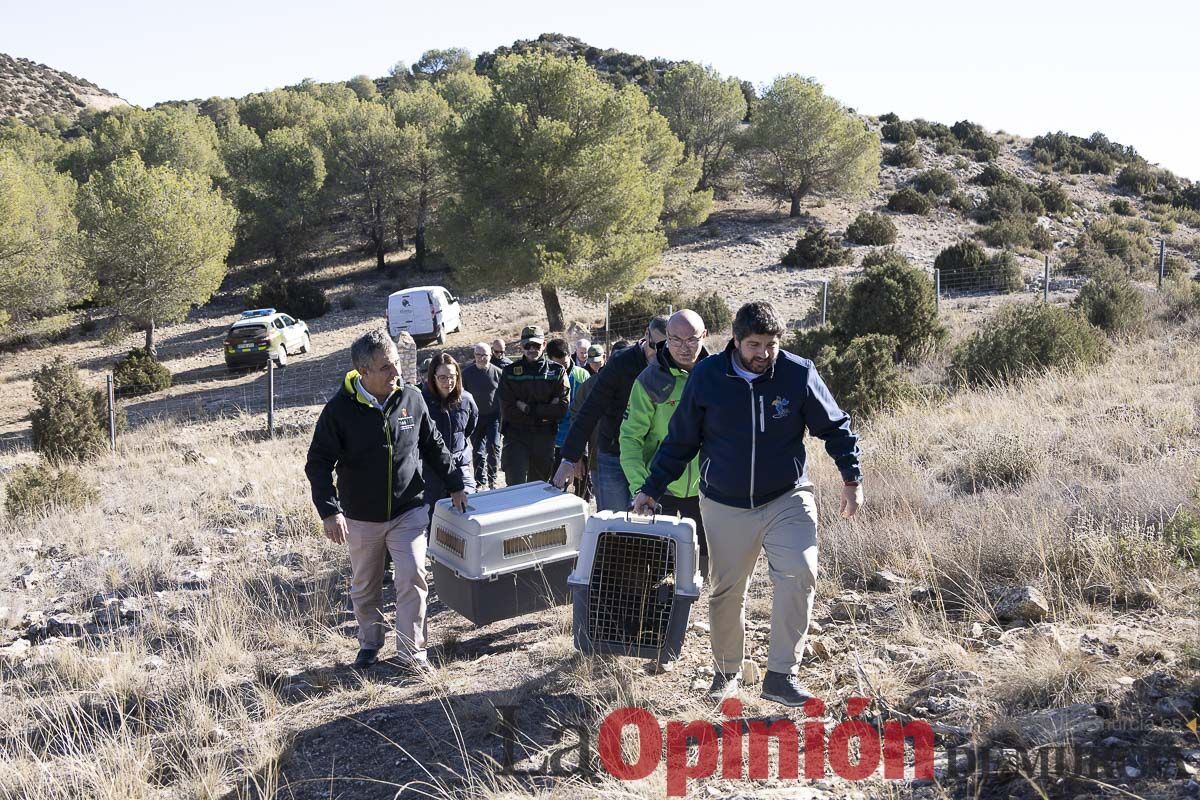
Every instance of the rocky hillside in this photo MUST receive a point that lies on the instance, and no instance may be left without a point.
(29, 90)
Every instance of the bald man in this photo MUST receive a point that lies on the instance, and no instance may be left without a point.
(652, 401)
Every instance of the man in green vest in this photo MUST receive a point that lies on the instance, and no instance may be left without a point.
(652, 401)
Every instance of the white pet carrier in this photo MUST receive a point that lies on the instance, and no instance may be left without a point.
(634, 585)
(510, 554)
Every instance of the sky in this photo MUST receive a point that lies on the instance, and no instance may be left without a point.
(1126, 69)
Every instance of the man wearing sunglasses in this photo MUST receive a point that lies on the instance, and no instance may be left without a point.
(534, 396)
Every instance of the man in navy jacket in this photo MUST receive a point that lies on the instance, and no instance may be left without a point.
(745, 411)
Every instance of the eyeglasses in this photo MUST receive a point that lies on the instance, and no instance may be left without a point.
(531, 346)
(444, 379)
(692, 342)
(497, 352)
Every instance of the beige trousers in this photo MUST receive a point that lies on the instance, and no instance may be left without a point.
(786, 528)
(404, 537)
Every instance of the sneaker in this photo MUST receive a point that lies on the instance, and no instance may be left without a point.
(367, 657)
(724, 686)
(785, 689)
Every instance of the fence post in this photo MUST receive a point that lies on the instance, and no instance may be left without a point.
(112, 413)
(937, 290)
(271, 397)
(824, 300)
(1046, 281)
(1162, 261)
(607, 335)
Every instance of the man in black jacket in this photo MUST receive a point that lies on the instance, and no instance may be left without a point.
(375, 433)
(482, 379)
(534, 395)
(605, 406)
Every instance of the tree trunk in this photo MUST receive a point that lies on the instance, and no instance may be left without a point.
(795, 205)
(419, 244)
(379, 249)
(151, 348)
(554, 313)
(419, 236)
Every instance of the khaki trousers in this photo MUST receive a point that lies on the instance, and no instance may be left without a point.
(786, 528)
(404, 538)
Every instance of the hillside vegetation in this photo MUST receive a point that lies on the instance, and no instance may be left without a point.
(30, 92)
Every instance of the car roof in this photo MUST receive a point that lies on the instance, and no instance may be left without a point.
(262, 320)
(419, 289)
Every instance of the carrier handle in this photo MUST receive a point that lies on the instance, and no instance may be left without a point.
(653, 515)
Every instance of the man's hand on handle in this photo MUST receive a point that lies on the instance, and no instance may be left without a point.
(335, 528)
(459, 501)
(565, 472)
(852, 500)
(644, 504)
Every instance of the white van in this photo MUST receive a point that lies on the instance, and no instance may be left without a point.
(424, 312)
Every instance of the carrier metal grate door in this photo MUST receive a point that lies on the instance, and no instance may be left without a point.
(632, 589)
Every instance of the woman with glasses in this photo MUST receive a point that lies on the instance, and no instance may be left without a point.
(456, 415)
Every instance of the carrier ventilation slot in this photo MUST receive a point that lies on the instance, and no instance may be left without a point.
(632, 589)
(532, 542)
(451, 541)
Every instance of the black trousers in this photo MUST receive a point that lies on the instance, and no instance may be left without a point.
(527, 456)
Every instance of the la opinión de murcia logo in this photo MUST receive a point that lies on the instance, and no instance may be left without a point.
(853, 749)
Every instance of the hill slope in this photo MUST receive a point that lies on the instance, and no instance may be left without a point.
(29, 90)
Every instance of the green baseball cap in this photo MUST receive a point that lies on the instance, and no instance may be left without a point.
(532, 333)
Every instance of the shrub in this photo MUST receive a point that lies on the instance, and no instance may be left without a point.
(890, 118)
(871, 228)
(898, 132)
(909, 201)
(1138, 178)
(1182, 298)
(1001, 462)
(965, 266)
(629, 316)
(963, 203)
(1027, 338)
(1040, 238)
(863, 376)
(1010, 231)
(1075, 154)
(713, 309)
(992, 176)
(139, 373)
(36, 488)
(809, 342)
(902, 155)
(816, 249)
(973, 137)
(1122, 207)
(935, 182)
(1111, 302)
(1008, 199)
(930, 130)
(896, 299)
(69, 423)
(300, 299)
(1054, 198)
(1124, 239)
(1182, 532)
(348, 302)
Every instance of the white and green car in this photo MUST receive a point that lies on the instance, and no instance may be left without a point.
(264, 334)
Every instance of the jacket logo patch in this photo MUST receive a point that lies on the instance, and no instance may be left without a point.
(518, 370)
(781, 406)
